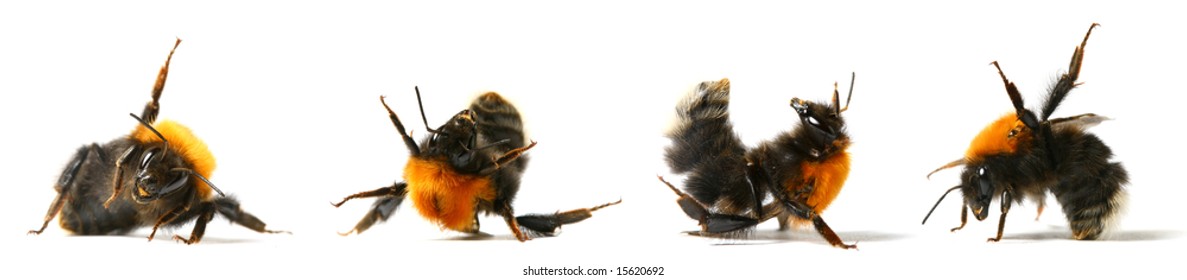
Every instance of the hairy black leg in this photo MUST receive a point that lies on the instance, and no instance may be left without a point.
(153, 107)
(710, 223)
(166, 218)
(1026, 116)
(964, 217)
(548, 224)
(801, 194)
(1067, 82)
(508, 214)
(397, 189)
(506, 158)
(205, 214)
(64, 187)
(117, 180)
(758, 180)
(1006, 200)
(391, 198)
(693, 208)
(230, 209)
(715, 224)
(803, 211)
(413, 149)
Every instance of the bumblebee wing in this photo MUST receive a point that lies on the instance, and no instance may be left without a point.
(1083, 121)
(703, 132)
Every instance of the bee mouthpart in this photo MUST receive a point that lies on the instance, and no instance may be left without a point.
(142, 196)
(467, 115)
(980, 214)
(799, 105)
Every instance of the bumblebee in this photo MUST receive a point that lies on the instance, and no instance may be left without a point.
(727, 184)
(1024, 155)
(156, 176)
(472, 164)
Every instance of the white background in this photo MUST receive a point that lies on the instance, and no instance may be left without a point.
(285, 94)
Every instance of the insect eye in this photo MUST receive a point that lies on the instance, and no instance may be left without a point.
(148, 158)
(986, 187)
(812, 120)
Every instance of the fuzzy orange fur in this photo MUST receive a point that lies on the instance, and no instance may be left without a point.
(183, 142)
(993, 140)
(443, 196)
(829, 176)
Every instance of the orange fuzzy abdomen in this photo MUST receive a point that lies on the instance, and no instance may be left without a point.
(827, 177)
(995, 139)
(183, 142)
(444, 196)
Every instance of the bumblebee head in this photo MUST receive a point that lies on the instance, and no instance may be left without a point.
(161, 171)
(154, 177)
(978, 188)
(822, 122)
(460, 133)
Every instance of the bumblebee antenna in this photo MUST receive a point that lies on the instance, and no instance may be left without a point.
(852, 79)
(933, 208)
(422, 111)
(154, 130)
(836, 103)
(203, 178)
(952, 164)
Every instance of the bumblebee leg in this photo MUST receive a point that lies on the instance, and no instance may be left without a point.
(547, 224)
(1006, 200)
(410, 143)
(506, 158)
(509, 216)
(693, 208)
(964, 217)
(382, 209)
(784, 221)
(758, 180)
(117, 180)
(205, 214)
(1040, 212)
(153, 107)
(1067, 81)
(397, 189)
(711, 224)
(229, 208)
(476, 227)
(1026, 116)
(64, 186)
(166, 218)
(801, 210)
